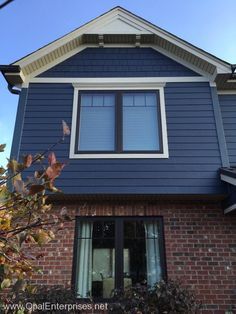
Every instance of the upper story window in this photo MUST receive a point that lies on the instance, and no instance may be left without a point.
(120, 123)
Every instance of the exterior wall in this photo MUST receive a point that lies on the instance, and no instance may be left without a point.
(194, 156)
(200, 247)
(118, 62)
(228, 110)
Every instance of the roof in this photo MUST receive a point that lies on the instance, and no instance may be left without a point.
(120, 26)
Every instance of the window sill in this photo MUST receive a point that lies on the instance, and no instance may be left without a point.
(118, 156)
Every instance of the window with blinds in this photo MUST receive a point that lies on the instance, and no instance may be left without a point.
(119, 122)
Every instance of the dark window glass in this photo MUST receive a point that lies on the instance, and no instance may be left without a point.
(140, 123)
(117, 253)
(97, 122)
(119, 122)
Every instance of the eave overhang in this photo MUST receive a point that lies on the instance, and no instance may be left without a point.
(119, 27)
(12, 74)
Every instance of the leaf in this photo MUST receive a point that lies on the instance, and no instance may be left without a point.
(20, 285)
(66, 129)
(63, 211)
(2, 170)
(36, 188)
(64, 214)
(21, 237)
(2, 147)
(28, 161)
(52, 159)
(5, 283)
(41, 237)
(13, 165)
(19, 186)
(54, 170)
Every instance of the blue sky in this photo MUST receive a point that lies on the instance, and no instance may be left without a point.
(27, 25)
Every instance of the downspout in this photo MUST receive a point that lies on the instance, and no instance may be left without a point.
(12, 90)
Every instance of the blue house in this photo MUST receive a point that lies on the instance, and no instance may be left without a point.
(151, 159)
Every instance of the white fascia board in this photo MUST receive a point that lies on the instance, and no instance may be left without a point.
(112, 82)
(78, 87)
(55, 62)
(222, 67)
(230, 209)
(226, 92)
(181, 61)
(220, 64)
(228, 179)
(62, 41)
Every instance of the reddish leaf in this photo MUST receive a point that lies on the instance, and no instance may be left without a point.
(66, 129)
(52, 159)
(54, 170)
(39, 255)
(28, 161)
(36, 188)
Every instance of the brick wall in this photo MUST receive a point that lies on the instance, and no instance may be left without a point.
(200, 247)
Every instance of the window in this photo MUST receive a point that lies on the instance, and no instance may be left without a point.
(117, 252)
(118, 124)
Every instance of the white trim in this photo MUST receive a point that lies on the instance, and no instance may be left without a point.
(230, 209)
(135, 85)
(181, 61)
(116, 86)
(56, 61)
(112, 80)
(154, 47)
(212, 84)
(226, 92)
(231, 81)
(228, 179)
(120, 13)
(74, 122)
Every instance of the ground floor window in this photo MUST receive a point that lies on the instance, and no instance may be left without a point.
(116, 252)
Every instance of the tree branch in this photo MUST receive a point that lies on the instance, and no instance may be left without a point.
(5, 3)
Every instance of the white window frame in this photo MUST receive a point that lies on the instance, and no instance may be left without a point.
(119, 84)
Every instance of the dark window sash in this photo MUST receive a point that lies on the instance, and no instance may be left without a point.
(118, 140)
(119, 246)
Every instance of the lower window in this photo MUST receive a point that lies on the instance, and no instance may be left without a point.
(113, 253)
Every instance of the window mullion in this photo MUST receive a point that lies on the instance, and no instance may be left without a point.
(119, 122)
(119, 254)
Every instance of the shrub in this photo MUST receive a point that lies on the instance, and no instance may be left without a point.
(164, 298)
(40, 296)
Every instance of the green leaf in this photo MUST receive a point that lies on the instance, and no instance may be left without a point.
(13, 165)
(5, 283)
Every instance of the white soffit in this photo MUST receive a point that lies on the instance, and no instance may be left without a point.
(117, 21)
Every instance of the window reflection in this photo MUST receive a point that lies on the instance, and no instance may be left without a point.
(97, 255)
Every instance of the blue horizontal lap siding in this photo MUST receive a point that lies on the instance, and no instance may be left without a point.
(118, 62)
(192, 167)
(228, 111)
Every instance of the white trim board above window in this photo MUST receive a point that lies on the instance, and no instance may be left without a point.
(116, 148)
